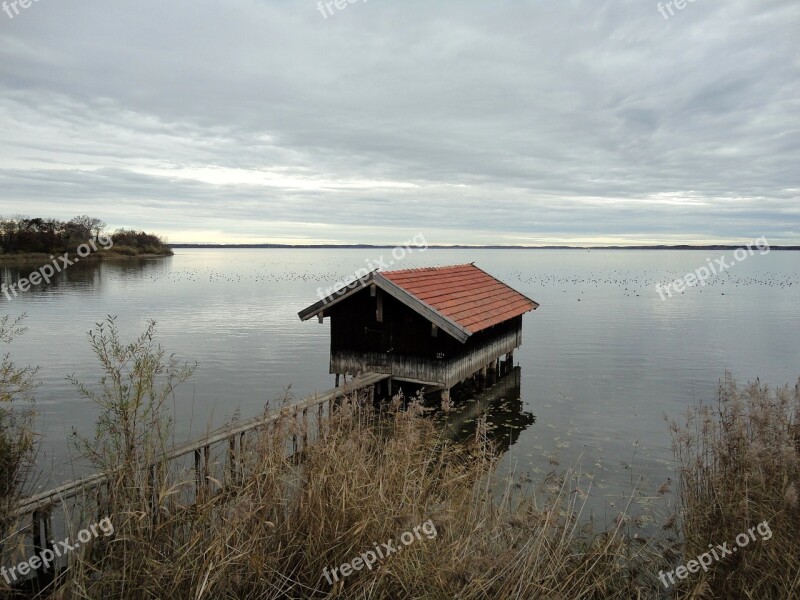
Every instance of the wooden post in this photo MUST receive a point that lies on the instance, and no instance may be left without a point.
(446, 400)
(232, 458)
(206, 466)
(36, 522)
(42, 531)
(38, 518)
(153, 494)
(49, 541)
(305, 428)
(198, 471)
(294, 434)
(491, 372)
(242, 454)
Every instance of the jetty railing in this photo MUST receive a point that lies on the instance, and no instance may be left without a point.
(224, 448)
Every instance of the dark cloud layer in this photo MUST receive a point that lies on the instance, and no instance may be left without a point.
(475, 122)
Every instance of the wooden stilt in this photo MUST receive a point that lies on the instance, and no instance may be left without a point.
(446, 400)
(232, 458)
(304, 425)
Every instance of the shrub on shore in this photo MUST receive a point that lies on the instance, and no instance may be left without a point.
(139, 242)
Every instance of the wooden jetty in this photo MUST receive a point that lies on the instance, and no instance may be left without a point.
(215, 460)
(434, 326)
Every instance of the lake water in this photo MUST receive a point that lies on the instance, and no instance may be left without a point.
(604, 358)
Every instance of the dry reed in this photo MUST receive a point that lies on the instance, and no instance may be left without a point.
(740, 466)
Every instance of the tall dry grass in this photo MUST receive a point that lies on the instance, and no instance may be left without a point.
(366, 482)
(740, 466)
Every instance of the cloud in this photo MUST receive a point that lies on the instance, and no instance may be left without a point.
(507, 122)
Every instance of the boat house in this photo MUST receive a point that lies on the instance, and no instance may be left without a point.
(435, 327)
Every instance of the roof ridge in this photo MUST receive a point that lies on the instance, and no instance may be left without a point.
(420, 269)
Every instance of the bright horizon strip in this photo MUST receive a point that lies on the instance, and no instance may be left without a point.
(295, 241)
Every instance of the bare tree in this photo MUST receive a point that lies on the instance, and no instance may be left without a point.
(91, 224)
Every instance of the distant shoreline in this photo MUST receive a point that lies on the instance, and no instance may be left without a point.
(466, 247)
(40, 257)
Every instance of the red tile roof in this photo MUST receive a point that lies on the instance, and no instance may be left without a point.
(463, 294)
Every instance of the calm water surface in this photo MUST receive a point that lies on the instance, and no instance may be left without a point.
(604, 359)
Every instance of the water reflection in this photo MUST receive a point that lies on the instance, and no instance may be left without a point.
(501, 406)
(88, 276)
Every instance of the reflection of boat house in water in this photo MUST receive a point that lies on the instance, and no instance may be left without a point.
(502, 408)
(433, 326)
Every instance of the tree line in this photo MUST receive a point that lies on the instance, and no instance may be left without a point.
(23, 235)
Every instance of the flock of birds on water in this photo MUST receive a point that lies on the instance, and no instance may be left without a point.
(633, 283)
(630, 282)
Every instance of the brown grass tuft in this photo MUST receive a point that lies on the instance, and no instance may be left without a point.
(740, 464)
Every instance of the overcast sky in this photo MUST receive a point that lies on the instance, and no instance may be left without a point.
(524, 122)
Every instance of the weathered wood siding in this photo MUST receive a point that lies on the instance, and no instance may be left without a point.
(456, 365)
(355, 327)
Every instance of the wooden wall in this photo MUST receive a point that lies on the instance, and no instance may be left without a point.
(421, 365)
(404, 332)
